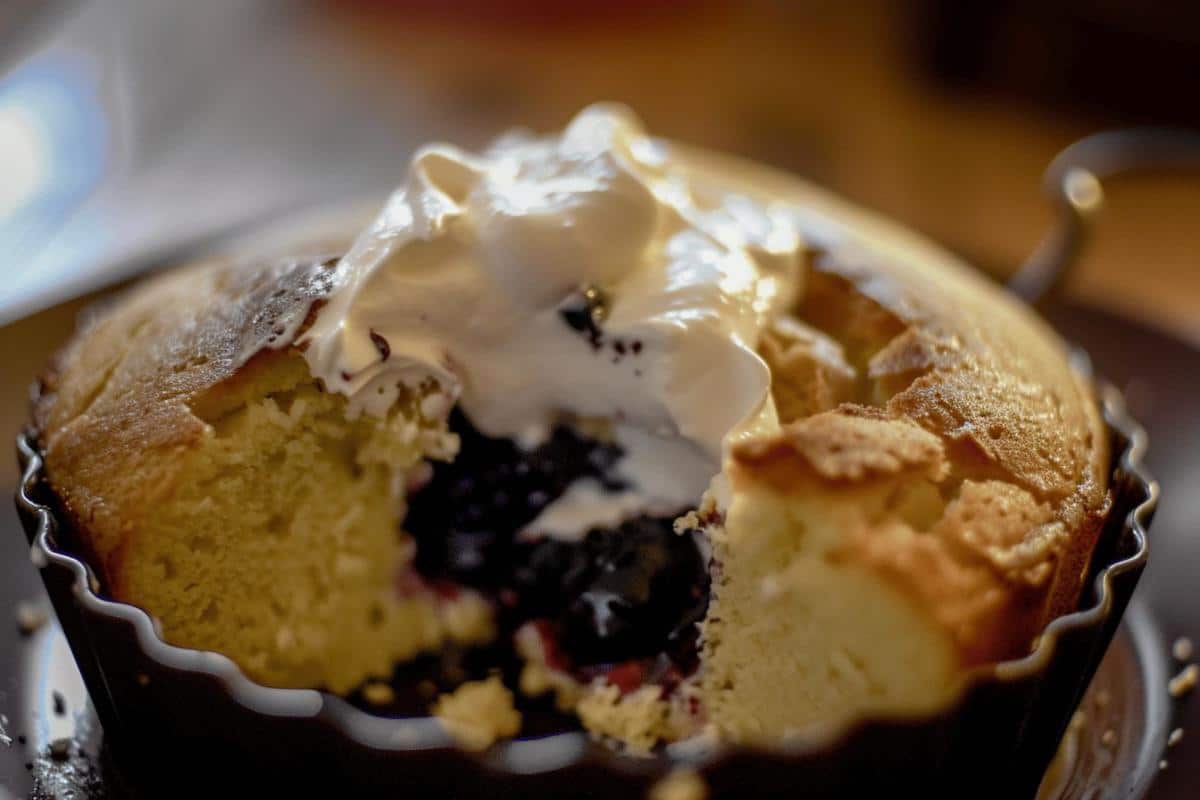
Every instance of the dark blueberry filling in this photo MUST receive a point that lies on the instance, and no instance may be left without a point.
(630, 593)
(466, 518)
(583, 313)
(417, 683)
(581, 319)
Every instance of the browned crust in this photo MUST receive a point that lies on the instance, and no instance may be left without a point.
(124, 398)
(852, 444)
(961, 386)
(809, 371)
(953, 383)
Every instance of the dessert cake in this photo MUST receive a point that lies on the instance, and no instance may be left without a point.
(594, 420)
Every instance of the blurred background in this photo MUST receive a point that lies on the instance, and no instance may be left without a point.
(133, 130)
(128, 127)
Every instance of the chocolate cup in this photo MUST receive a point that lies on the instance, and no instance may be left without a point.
(188, 722)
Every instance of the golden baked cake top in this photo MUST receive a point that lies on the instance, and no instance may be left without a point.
(880, 457)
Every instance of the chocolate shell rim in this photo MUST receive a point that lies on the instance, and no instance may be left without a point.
(1136, 493)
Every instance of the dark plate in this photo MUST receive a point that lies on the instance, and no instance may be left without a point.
(1117, 748)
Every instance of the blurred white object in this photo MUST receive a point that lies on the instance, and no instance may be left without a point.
(144, 126)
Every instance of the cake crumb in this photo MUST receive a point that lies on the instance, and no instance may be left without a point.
(1108, 738)
(1182, 649)
(379, 694)
(637, 720)
(30, 618)
(688, 522)
(468, 618)
(60, 749)
(1185, 681)
(680, 784)
(537, 677)
(1103, 698)
(1163, 764)
(478, 713)
(1175, 737)
(705, 516)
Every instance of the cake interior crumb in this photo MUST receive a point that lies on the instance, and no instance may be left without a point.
(478, 713)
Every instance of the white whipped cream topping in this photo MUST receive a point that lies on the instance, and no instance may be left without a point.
(465, 273)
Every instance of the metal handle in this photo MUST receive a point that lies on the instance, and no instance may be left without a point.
(1073, 181)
